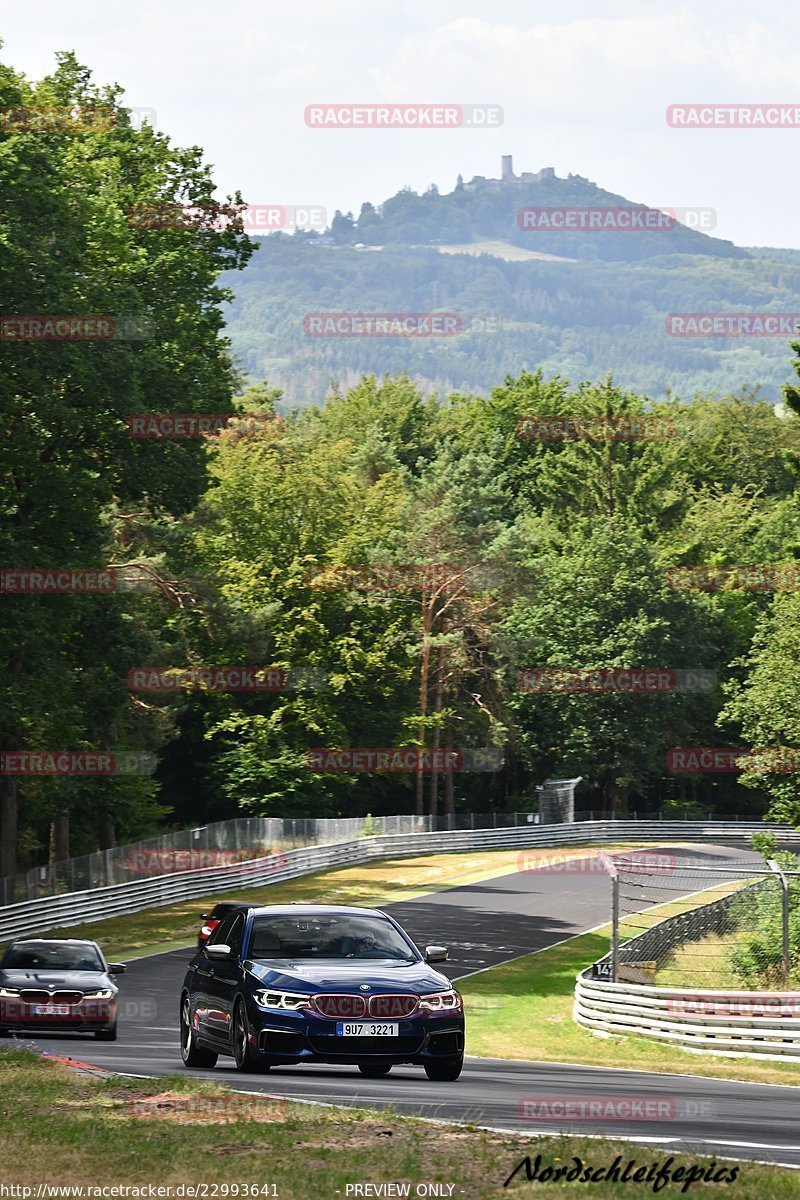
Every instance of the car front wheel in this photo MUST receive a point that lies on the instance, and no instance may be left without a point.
(106, 1035)
(444, 1070)
(245, 1057)
(191, 1053)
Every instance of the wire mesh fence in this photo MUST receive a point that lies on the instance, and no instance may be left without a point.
(677, 923)
(222, 843)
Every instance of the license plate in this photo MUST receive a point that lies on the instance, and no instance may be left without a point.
(51, 1010)
(366, 1029)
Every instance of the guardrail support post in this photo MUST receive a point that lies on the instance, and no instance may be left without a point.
(614, 927)
(773, 866)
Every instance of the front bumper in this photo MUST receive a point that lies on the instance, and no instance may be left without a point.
(86, 1016)
(286, 1037)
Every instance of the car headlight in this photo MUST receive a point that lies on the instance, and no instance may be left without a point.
(267, 998)
(104, 995)
(9, 993)
(441, 1002)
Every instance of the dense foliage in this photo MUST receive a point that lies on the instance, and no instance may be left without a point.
(577, 319)
(529, 553)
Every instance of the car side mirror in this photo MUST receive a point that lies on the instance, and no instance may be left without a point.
(203, 916)
(434, 954)
(219, 951)
(117, 968)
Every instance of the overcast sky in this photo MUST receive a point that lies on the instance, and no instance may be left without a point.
(584, 88)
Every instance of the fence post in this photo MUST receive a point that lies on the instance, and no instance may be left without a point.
(773, 866)
(611, 867)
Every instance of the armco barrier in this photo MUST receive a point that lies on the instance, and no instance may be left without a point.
(73, 908)
(732, 1024)
(725, 1023)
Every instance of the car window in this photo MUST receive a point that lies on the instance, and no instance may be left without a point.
(220, 935)
(44, 956)
(236, 931)
(337, 937)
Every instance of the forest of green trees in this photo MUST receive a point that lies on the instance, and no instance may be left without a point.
(557, 552)
(575, 319)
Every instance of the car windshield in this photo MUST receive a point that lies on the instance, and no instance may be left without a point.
(342, 937)
(39, 956)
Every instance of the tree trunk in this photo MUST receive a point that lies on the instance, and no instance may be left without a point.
(8, 834)
(105, 832)
(449, 800)
(419, 806)
(437, 736)
(59, 837)
(619, 801)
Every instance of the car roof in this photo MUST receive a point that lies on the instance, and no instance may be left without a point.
(54, 942)
(317, 910)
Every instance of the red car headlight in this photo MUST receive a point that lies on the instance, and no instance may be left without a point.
(441, 1002)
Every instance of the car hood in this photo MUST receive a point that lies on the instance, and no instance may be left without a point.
(382, 975)
(79, 981)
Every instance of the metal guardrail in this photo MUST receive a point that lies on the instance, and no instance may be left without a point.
(74, 908)
(238, 839)
(712, 1021)
(716, 1022)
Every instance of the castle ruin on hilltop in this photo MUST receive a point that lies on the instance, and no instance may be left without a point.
(479, 183)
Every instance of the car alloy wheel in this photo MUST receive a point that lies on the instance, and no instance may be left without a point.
(245, 1057)
(191, 1053)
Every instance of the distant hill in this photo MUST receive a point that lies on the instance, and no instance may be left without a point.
(489, 208)
(597, 305)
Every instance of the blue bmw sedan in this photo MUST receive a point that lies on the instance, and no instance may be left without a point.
(288, 984)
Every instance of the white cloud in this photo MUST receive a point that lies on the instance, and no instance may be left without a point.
(586, 92)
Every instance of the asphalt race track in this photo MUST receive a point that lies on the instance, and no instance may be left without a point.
(484, 924)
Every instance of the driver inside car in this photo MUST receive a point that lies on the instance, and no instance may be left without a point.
(366, 947)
